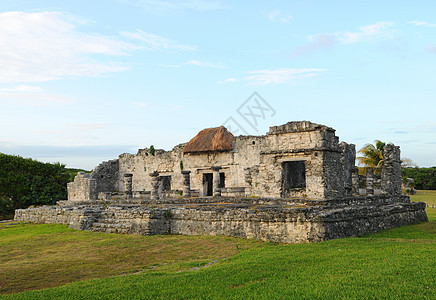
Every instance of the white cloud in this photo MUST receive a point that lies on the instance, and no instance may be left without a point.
(197, 63)
(157, 43)
(22, 88)
(422, 23)
(275, 76)
(173, 6)
(43, 46)
(377, 31)
(278, 16)
(30, 96)
(315, 43)
(368, 33)
(227, 80)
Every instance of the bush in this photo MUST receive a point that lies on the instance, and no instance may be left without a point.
(25, 182)
(424, 178)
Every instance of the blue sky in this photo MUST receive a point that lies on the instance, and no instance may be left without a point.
(83, 81)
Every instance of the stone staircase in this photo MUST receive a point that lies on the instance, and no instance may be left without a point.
(118, 220)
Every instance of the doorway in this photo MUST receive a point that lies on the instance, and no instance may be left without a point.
(293, 176)
(207, 184)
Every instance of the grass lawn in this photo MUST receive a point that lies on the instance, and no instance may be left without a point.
(396, 263)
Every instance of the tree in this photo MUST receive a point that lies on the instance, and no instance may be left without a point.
(25, 182)
(372, 155)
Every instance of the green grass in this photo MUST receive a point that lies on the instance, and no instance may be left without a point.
(398, 263)
(428, 197)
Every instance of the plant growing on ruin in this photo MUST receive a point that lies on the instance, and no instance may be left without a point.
(152, 150)
(181, 165)
(168, 214)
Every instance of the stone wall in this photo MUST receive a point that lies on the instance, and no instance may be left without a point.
(84, 187)
(255, 165)
(278, 220)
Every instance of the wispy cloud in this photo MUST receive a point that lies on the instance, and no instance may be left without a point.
(22, 88)
(174, 6)
(315, 43)
(205, 64)
(278, 16)
(44, 46)
(30, 96)
(275, 76)
(367, 33)
(422, 23)
(156, 43)
(377, 31)
(227, 80)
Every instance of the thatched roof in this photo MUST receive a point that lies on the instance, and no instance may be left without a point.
(210, 139)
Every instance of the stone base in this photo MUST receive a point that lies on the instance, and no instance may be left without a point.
(277, 220)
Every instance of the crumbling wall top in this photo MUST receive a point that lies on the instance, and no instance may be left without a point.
(299, 126)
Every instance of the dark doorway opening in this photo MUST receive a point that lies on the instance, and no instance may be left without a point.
(222, 180)
(166, 183)
(207, 184)
(293, 176)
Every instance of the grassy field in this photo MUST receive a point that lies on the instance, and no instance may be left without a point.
(396, 263)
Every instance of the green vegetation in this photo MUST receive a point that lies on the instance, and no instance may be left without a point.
(152, 150)
(25, 182)
(424, 178)
(396, 263)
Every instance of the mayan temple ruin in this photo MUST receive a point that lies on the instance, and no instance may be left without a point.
(297, 183)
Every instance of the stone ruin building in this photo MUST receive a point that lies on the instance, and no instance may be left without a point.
(297, 183)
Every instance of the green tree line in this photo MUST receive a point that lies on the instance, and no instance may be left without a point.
(25, 182)
(424, 178)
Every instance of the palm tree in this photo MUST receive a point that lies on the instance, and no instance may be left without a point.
(372, 155)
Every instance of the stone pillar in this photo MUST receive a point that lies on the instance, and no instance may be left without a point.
(348, 158)
(216, 181)
(370, 181)
(128, 185)
(355, 180)
(391, 171)
(154, 185)
(186, 184)
(248, 180)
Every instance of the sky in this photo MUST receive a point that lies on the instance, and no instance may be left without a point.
(84, 81)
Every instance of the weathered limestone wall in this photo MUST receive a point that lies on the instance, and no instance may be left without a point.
(280, 223)
(84, 187)
(106, 176)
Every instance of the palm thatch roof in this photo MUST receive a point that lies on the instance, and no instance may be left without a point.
(210, 139)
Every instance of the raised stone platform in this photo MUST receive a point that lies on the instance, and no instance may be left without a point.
(278, 220)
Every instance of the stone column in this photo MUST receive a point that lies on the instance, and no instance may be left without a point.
(128, 185)
(154, 185)
(186, 183)
(391, 171)
(248, 180)
(355, 180)
(370, 181)
(216, 181)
